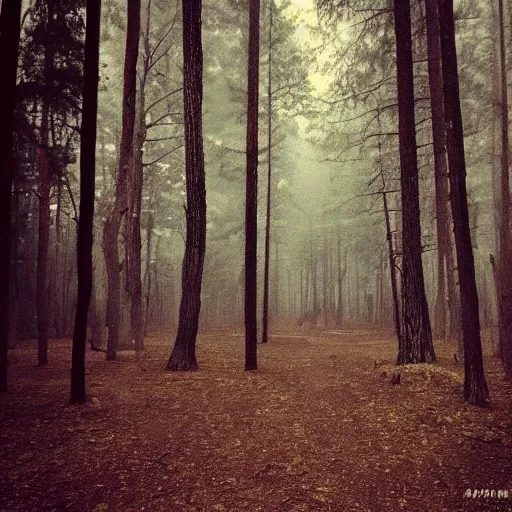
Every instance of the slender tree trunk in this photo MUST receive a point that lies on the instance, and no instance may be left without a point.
(44, 168)
(149, 229)
(183, 356)
(341, 276)
(9, 39)
(14, 275)
(87, 182)
(440, 160)
(505, 255)
(133, 226)
(264, 336)
(277, 285)
(392, 272)
(121, 203)
(475, 386)
(251, 201)
(314, 284)
(325, 281)
(416, 338)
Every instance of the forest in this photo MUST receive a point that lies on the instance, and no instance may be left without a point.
(257, 255)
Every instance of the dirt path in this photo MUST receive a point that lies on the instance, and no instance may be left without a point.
(318, 427)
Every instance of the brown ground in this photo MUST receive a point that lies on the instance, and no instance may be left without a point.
(318, 427)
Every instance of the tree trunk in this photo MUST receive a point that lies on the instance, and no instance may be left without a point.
(325, 281)
(121, 204)
(149, 235)
(183, 356)
(45, 180)
(87, 182)
(392, 273)
(440, 161)
(505, 255)
(475, 386)
(251, 201)
(9, 39)
(416, 338)
(341, 276)
(133, 226)
(14, 275)
(264, 336)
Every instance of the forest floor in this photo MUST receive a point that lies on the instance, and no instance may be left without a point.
(318, 427)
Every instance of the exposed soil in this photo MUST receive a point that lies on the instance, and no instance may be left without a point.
(318, 427)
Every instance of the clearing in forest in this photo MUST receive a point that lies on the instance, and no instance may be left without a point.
(318, 427)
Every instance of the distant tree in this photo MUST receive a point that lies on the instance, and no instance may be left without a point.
(9, 39)
(416, 338)
(475, 386)
(87, 185)
(183, 356)
(251, 197)
(121, 204)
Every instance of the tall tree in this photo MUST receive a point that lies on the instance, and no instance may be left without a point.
(183, 356)
(505, 255)
(416, 340)
(121, 203)
(445, 267)
(87, 181)
(475, 386)
(9, 39)
(251, 191)
(264, 335)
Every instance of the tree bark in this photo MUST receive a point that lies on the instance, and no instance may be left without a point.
(264, 336)
(87, 183)
(416, 337)
(9, 39)
(121, 203)
(475, 386)
(251, 200)
(183, 356)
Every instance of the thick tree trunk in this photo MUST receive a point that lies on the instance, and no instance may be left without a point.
(475, 386)
(505, 255)
(121, 203)
(251, 200)
(9, 38)
(416, 337)
(183, 356)
(87, 182)
(264, 336)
